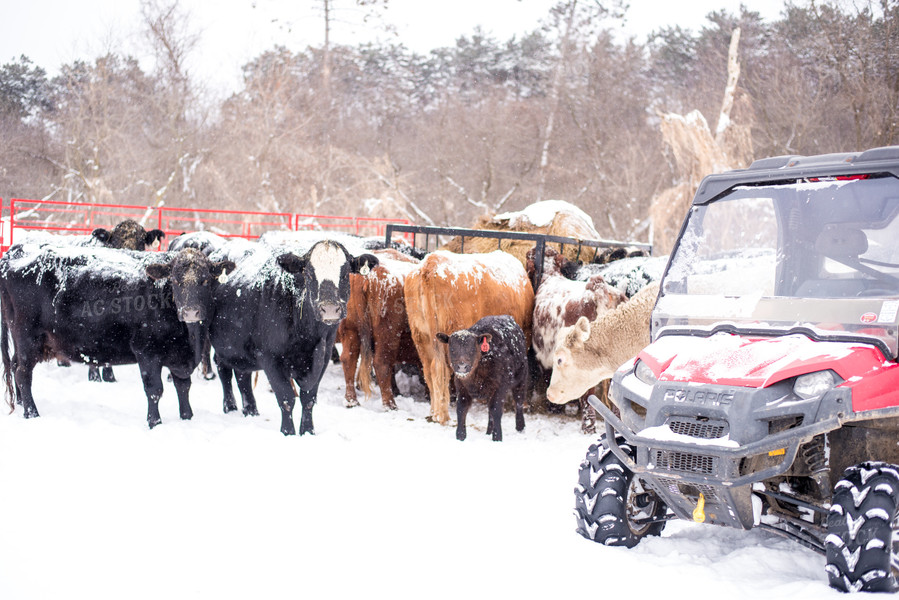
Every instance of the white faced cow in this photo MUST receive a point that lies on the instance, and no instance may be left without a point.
(279, 313)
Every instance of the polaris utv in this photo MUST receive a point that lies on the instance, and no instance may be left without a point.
(769, 395)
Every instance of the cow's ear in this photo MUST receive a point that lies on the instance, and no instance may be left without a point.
(153, 236)
(582, 328)
(363, 263)
(222, 268)
(291, 263)
(159, 270)
(443, 338)
(101, 234)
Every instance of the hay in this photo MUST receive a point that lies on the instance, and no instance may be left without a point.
(553, 217)
(697, 153)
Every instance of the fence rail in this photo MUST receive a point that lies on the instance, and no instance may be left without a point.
(540, 240)
(19, 215)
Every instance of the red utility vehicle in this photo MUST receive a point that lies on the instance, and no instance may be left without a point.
(769, 396)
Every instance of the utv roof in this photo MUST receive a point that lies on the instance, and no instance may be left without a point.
(790, 168)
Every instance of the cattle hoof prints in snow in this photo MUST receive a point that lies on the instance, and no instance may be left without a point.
(489, 361)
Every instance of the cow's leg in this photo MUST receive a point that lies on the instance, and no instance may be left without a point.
(206, 371)
(279, 379)
(24, 368)
(463, 402)
(519, 394)
(588, 415)
(151, 375)
(245, 385)
(349, 358)
(384, 375)
(225, 374)
(307, 401)
(107, 374)
(93, 373)
(387, 350)
(182, 388)
(280, 382)
(495, 408)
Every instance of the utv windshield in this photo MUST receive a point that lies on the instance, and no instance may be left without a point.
(818, 256)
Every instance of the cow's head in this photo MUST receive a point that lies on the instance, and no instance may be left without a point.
(572, 375)
(465, 350)
(193, 277)
(128, 235)
(325, 272)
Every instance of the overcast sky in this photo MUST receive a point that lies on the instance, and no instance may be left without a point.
(56, 32)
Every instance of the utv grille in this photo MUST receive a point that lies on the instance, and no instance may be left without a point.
(695, 428)
(685, 462)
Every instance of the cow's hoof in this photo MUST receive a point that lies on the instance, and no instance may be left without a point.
(154, 422)
(251, 412)
(351, 403)
(108, 376)
(187, 416)
(93, 376)
(227, 408)
(390, 405)
(209, 376)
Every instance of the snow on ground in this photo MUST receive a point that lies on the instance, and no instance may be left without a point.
(98, 506)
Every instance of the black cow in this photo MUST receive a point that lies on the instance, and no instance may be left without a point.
(279, 312)
(105, 306)
(489, 360)
(127, 235)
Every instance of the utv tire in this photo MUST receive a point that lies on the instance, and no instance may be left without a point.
(862, 544)
(612, 506)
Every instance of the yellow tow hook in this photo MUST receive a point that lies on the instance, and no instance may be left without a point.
(698, 512)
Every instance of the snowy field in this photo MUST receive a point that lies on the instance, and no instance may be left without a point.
(98, 506)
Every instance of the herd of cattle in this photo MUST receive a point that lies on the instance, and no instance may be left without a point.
(477, 327)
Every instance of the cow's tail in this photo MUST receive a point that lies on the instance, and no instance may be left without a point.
(5, 307)
(366, 359)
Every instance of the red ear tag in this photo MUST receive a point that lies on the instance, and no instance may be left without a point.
(485, 347)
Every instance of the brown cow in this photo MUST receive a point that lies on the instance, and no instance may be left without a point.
(449, 292)
(377, 328)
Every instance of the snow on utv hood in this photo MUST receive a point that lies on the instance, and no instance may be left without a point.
(732, 360)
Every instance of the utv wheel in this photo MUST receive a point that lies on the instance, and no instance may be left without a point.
(612, 506)
(863, 529)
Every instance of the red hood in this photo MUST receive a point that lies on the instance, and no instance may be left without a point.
(726, 359)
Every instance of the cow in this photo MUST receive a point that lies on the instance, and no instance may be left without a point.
(126, 235)
(377, 328)
(204, 241)
(489, 360)
(449, 292)
(105, 306)
(590, 352)
(629, 273)
(278, 312)
(559, 303)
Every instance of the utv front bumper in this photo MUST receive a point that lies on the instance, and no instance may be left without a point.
(706, 444)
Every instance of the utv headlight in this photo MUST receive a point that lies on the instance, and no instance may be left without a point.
(644, 373)
(814, 385)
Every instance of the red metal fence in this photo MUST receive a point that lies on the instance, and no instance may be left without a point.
(19, 214)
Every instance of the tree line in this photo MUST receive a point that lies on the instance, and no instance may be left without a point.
(569, 111)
